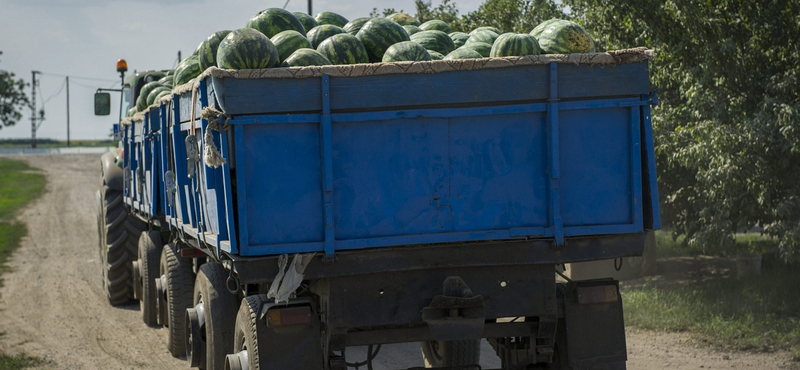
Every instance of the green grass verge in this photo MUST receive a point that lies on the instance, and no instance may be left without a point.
(19, 184)
(668, 246)
(757, 313)
(50, 143)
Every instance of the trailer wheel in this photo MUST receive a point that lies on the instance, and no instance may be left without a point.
(114, 225)
(245, 339)
(218, 308)
(452, 353)
(175, 297)
(149, 254)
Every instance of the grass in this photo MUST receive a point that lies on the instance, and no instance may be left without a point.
(669, 247)
(760, 313)
(51, 143)
(19, 184)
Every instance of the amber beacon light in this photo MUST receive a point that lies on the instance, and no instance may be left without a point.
(122, 66)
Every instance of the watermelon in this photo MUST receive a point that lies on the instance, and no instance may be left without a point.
(463, 53)
(355, 25)
(343, 48)
(207, 51)
(166, 80)
(434, 40)
(131, 112)
(151, 97)
(459, 38)
(141, 100)
(186, 70)
(482, 48)
(275, 20)
(564, 37)
(487, 28)
(406, 51)
(306, 57)
(288, 41)
(319, 33)
(435, 24)
(379, 34)
(515, 44)
(411, 29)
(247, 48)
(403, 19)
(162, 94)
(486, 36)
(538, 29)
(435, 55)
(308, 21)
(330, 18)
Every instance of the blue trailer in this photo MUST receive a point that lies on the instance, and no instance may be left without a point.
(319, 208)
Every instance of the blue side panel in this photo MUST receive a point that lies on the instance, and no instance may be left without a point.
(498, 171)
(282, 180)
(391, 178)
(596, 167)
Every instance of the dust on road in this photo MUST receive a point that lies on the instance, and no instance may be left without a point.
(52, 304)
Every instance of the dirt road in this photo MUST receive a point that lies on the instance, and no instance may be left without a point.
(52, 304)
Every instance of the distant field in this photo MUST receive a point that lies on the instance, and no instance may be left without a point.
(50, 143)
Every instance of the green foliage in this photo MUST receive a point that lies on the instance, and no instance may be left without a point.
(753, 313)
(519, 16)
(728, 126)
(12, 98)
(20, 361)
(386, 12)
(446, 11)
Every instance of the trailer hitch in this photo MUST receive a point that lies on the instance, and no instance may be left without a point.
(457, 314)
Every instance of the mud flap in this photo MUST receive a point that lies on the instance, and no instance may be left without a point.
(456, 314)
(295, 343)
(595, 330)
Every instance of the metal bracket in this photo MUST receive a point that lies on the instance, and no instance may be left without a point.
(456, 314)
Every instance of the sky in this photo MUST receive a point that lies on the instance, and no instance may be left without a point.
(83, 39)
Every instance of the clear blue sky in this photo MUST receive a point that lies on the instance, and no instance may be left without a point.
(84, 39)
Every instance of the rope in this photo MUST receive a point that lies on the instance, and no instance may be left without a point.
(211, 155)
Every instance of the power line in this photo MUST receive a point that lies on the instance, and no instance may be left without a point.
(54, 95)
(78, 77)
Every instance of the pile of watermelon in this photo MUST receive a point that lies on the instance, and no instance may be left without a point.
(278, 38)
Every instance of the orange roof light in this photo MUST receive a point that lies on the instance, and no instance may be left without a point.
(122, 66)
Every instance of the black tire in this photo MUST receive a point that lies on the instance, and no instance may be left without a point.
(179, 278)
(451, 353)
(114, 225)
(249, 329)
(149, 256)
(220, 308)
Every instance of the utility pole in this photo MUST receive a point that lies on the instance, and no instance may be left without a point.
(309, 8)
(33, 108)
(68, 144)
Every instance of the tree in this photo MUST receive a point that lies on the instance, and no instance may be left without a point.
(12, 98)
(728, 126)
(446, 11)
(519, 16)
(385, 13)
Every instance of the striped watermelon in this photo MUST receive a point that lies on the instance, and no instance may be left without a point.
(151, 97)
(486, 36)
(355, 25)
(515, 44)
(564, 37)
(247, 48)
(207, 51)
(403, 19)
(379, 34)
(141, 100)
(275, 20)
(308, 21)
(186, 70)
(167, 80)
(319, 33)
(406, 51)
(538, 29)
(459, 38)
(163, 94)
(288, 41)
(434, 40)
(435, 55)
(330, 18)
(411, 29)
(482, 48)
(306, 57)
(463, 53)
(487, 28)
(435, 24)
(343, 48)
